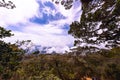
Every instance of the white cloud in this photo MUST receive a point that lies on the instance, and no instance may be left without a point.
(25, 9)
(47, 40)
(48, 35)
(58, 49)
(72, 14)
(42, 29)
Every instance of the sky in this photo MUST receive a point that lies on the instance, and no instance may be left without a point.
(43, 22)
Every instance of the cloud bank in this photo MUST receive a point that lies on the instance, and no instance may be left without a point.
(41, 21)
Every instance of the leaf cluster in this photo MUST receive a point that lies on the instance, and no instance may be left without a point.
(99, 24)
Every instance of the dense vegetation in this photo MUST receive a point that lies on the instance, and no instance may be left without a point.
(10, 55)
(102, 64)
(16, 65)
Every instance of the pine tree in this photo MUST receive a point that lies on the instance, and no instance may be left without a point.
(99, 24)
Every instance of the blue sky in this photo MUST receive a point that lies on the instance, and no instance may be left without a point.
(41, 21)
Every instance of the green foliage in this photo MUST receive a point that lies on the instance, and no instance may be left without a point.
(10, 56)
(70, 67)
(5, 33)
(103, 65)
(99, 23)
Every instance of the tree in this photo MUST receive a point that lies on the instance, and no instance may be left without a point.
(99, 24)
(5, 33)
(8, 5)
(66, 3)
(10, 55)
